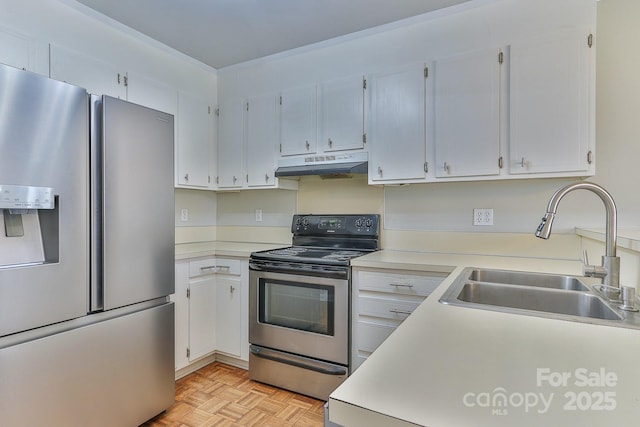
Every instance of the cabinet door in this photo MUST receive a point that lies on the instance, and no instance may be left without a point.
(398, 144)
(550, 112)
(23, 52)
(202, 316)
(261, 143)
(230, 137)
(298, 120)
(195, 141)
(145, 91)
(467, 114)
(342, 114)
(228, 316)
(97, 77)
(181, 314)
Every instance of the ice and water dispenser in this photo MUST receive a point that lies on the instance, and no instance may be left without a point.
(29, 233)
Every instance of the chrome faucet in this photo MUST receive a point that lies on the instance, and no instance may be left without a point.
(610, 269)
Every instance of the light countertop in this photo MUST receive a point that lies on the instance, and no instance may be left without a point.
(218, 248)
(627, 238)
(457, 366)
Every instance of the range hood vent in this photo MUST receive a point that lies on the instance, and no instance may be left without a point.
(340, 165)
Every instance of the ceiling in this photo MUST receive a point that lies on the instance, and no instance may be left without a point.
(221, 33)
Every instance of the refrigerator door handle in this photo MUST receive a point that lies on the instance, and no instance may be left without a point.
(96, 295)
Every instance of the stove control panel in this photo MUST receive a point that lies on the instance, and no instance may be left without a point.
(345, 225)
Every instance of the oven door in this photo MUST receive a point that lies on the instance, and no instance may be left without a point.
(304, 315)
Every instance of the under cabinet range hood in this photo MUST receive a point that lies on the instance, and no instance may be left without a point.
(323, 165)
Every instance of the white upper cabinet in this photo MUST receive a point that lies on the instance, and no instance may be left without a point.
(342, 114)
(195, 144)
(97, 77)
(298, 120)
(24, 52)
(467, 114)
(550, 104)
(151, 93)
(397, 148)
(230, 142)
(261, 140)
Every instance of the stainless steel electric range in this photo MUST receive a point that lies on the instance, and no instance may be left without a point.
(299, 303)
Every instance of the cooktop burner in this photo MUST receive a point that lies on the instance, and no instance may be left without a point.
(327, 240)
(310, 254)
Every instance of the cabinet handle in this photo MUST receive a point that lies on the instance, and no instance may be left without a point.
(215, 268)
(186, 177)
(523, 163)
(394, 311)
(447, 168)
(380, 171)
(232, 289)
(266, 178)
(401, 285)
(235, 179)
(306, 143)
(330, 143)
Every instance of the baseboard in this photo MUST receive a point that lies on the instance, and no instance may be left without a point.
(206, 360)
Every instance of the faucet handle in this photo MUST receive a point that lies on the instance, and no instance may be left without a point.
(592, 270)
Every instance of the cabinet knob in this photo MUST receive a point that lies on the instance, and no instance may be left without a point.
(306, 143)
(330, 142)
(380, 171)
(186, 177)
(232, 289)
(446, 167)
(235, 179)
(266, 178)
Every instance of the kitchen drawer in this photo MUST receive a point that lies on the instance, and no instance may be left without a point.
(371, 335)
(205, 266)
(385, 308)
(399, 283)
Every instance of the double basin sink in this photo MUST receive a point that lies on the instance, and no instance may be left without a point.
(537, 294)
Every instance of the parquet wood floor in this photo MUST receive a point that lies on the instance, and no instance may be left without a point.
(223, 396)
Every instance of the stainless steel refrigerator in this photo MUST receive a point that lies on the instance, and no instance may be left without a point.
(86, 256)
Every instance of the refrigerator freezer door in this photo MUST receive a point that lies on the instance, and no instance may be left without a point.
(138, 203)
(44, 128)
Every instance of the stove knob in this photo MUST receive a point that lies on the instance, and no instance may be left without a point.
(305, 222)
(368, 223)
(359, 222)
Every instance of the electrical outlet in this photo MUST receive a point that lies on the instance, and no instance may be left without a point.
(483, 217)
(258, 215)
(184, 215)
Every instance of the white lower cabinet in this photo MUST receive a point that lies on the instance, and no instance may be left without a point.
(228, 321)
(382, 299)
(202, 317)
(211, 301)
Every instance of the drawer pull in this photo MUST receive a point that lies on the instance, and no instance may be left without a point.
(401, 285)
(394, 311)
(215, 268)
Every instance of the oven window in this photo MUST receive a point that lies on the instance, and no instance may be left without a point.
(301, 306)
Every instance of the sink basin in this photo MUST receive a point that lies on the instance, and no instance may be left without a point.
(553, 281)
(527, 298)
(555, 296)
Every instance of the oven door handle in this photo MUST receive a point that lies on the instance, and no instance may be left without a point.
(297, 361)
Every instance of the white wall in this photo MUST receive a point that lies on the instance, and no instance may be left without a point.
(201, 208)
